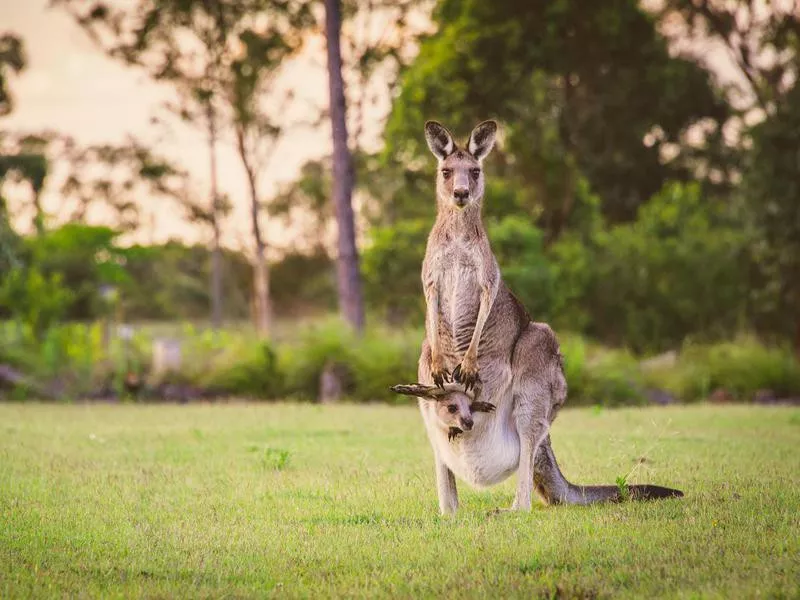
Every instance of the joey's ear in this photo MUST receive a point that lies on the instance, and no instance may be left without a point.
(431, 392)
(481, 140)
(440, 141)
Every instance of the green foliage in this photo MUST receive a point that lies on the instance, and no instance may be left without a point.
(36, 300)
(772, 191)
(741, 368)
(390, 266)
(303, 283)
(679, 270)
(600, 376)
(252, 372)
(519, 248)
(566, 112)
(368, 365)
(79, 258)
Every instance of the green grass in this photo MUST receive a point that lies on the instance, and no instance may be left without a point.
(249, 500)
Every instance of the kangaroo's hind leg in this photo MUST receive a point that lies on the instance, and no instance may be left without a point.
(539, 391)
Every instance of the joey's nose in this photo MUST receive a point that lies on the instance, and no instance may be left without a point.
(461, 195)
(467, 423)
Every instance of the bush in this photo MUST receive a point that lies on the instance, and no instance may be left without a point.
(600, 376)
(255, 374)
(678, 270)
(371, 364)
(742, 368)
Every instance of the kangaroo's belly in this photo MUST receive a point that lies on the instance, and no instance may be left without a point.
(484, 456)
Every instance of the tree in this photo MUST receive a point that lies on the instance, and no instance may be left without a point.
(116, 177)
(583, 89)
(24, 158)
(771, 189)
(253, 75)
(347, 265)
(12, 60)
(761, 39)
(182, 43)
(222, 57)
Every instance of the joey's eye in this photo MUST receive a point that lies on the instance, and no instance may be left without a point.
(446, 173)
(475, 174)
(452, 408)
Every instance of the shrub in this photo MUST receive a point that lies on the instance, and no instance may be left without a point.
(600, 376)
(370, 364)
(254, 374)
(742, 368)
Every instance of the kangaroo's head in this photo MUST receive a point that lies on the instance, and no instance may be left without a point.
(459, 182)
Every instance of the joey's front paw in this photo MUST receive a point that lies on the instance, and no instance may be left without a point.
(467, 373)
(478, 406)
(439, 373)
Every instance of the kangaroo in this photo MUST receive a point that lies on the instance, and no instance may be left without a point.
(480, 336)
(454, 410)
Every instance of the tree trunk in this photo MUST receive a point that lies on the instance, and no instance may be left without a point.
(347, 269)
(216, 250)
(263, 308)
(38, 218)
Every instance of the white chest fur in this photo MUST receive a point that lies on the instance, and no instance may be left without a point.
(484, 456)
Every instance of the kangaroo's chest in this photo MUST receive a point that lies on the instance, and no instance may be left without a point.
(455, 268)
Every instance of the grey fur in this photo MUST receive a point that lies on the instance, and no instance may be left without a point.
(479, 335)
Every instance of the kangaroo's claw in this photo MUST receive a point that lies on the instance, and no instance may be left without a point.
(441, 377)
(466, 375)
(453, 433)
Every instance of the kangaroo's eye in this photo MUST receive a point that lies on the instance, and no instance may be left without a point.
(452, 408)
(446, 173)
(475, 174)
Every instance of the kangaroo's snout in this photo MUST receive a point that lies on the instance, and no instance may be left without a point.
(461, 195)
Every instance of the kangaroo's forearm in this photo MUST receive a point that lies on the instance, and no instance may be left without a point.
(432, 317)
(488, 294)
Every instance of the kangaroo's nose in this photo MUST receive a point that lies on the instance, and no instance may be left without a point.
(461, 195)
(467, 423)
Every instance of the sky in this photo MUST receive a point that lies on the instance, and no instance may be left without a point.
(70, 86)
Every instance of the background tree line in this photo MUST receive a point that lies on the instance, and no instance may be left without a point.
(635, 198)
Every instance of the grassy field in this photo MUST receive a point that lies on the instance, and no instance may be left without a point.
(243, 500)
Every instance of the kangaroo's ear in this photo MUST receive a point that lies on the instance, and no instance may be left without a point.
(440, 141)
(481, 140)
(419, 390)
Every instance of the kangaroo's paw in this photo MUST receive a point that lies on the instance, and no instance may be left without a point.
(479, 406)
(439, 373)
(467, 373)
(441, 377)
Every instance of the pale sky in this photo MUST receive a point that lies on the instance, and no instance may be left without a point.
(70, 86)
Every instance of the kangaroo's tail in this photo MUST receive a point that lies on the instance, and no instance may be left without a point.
(552, 485)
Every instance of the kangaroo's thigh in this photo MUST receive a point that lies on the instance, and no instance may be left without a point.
(539, 391)
(539, 384)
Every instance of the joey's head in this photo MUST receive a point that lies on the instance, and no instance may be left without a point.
(454, 408)
(453, 411)
(460, 181)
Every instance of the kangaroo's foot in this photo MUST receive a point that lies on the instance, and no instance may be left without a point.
(467, 373)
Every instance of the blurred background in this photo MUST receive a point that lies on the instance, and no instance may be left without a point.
(211, 198)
